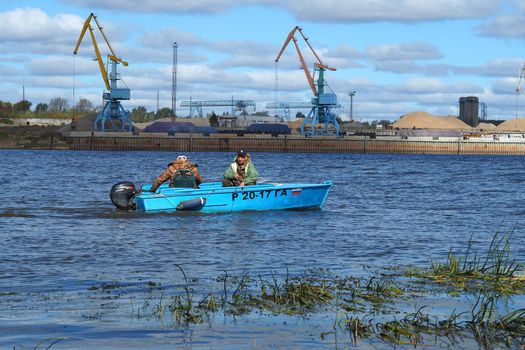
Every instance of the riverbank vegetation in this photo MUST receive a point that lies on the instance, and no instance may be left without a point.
(473, 289)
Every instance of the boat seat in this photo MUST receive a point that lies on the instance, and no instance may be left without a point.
(183, 178)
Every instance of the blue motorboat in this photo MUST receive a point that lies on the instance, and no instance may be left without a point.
(212, 197)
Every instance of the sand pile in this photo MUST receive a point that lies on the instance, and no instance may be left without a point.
(516, 124)
(486, 126)
(80, 123)
(423, 120)
(86, 123)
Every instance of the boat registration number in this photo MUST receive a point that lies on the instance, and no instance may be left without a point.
(247, 195)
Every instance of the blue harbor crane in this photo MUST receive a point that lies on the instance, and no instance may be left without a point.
(323, 102)
(239, 105)
(112, 117)
(286, 106)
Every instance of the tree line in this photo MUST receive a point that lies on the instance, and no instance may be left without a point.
(59, 107)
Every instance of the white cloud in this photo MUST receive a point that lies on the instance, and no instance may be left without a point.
(314, 10)
(32, 24)
(32, 55)
(506, 86)
(387, 10)
(244, 47)
(345, 51)
(520, 4)
(9, 72)
(166, 37)
(159, 47)
(52, 82)
(503, 26)
(404, 51)
(162, 6)
(254, 61)
(59, 65)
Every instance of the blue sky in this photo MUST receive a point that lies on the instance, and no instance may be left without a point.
(399, 56)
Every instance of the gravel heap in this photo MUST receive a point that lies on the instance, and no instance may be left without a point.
(424, 120)
(516, 124)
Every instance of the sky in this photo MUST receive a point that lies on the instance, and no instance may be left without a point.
(398, 56)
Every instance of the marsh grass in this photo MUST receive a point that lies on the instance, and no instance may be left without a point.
(408, 330)
(182, 306)
(358, 327)
(293, 296)
(42, 345)
(370, 307)
(472, 272)
(508, 330)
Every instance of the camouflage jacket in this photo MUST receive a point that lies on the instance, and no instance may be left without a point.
(170, 171)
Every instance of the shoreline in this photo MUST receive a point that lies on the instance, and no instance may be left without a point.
(294, 144)
(51, 138)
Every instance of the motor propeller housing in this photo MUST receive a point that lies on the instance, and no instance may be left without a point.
(122, 195)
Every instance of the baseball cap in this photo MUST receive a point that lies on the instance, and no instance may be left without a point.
(242, 153)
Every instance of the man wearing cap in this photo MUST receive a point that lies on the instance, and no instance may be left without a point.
(181, 163)
(241, 172)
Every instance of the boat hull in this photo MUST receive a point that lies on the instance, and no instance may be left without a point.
(216, 199)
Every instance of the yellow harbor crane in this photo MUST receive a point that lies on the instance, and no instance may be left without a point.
(113, 117)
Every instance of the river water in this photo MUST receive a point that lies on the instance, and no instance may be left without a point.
(62, 239)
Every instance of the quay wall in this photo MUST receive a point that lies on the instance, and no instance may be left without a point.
(288, 144)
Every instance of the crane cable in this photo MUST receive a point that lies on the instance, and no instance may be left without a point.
(74, 81)
(276, 93)
(517, 94)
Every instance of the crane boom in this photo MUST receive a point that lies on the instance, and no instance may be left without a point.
(305, 68)
(112, 56)
(318, 64)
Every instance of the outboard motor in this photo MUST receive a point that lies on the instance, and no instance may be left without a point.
(122, 194)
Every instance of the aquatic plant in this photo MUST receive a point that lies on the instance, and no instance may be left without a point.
(37, 346)
(293, 296)
(358, 327)
(182, 306)
(482, 279)
(208, 303)
(471, 272)
(160, 308)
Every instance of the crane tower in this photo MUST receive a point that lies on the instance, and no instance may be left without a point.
(113, 117)
(323, 102)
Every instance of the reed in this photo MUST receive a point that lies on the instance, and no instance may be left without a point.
(489, 278)
(293, 296)
(42, 343)
(182, 306)
(471, 272)
(358, 327)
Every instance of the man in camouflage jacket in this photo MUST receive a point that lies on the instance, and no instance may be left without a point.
(181, 163)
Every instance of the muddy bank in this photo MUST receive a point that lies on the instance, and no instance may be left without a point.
(31, 137)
